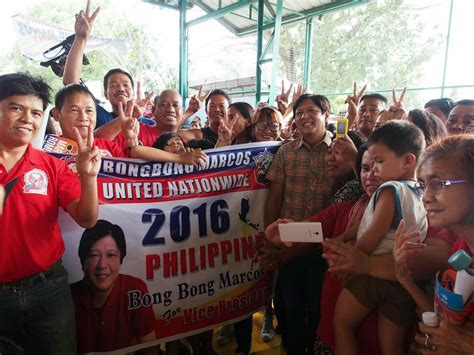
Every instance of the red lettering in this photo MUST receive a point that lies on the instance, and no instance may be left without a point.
(170, 265)
(236, 249)
(152, 263)
(213, 250)
(192, 260)
(226, 249)
(247, 248)
(202, 252)
(182, 261)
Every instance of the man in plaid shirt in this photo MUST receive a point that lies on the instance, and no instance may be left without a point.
(300, 188)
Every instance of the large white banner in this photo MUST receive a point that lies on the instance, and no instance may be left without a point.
(192, 236)
(35, 37)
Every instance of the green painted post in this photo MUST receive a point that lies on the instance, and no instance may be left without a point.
(308, 51)
(258, 73)
(183, 51)
(276, 51)
(447, 48)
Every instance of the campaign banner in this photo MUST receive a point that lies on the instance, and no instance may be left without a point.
(35, 36)
(192, 239)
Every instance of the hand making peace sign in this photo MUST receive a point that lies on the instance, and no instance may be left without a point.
(225, 129)
(88, 157)
(397, 110)
(283, 100)
(196, 101)
(353, 102)
(140, 103)
(129, 124)
(84, 22)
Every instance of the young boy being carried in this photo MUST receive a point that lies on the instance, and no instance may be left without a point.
(394, 150)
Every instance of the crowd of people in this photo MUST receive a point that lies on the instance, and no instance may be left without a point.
(394, 196)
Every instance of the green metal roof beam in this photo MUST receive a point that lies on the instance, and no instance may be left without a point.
(223, 21)
(269, 43)
(244, 17)
(264, 16)
(270, 8)
(218, 13)
(162, 4)
(289, 10)
(340, 5)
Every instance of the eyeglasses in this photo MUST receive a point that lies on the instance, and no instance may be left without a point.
(262, 126)
(437, 185)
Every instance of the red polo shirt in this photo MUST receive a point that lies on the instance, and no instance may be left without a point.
(30, 239)
(110, 148)
(115, 326)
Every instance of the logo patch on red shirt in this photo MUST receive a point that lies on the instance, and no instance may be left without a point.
(36, 182)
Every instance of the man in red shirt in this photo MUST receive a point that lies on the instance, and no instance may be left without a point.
(36, 308)
(75, 109)
(108, 313)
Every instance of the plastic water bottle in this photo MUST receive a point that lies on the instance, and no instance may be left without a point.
(430, 319)
(464, 284)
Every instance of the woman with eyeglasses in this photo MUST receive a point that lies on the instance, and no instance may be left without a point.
(266, 124)
(446, 176)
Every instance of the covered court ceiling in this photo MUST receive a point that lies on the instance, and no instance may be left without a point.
(241, 16)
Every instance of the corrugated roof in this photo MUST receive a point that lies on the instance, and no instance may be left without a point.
(240, 17)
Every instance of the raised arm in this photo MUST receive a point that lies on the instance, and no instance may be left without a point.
(82, 29)
(191, 156)
(353, 104)
(85, 210)
(195, 104)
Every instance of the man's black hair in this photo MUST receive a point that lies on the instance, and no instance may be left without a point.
(319, 100)
(69, 90)
(431, 125)
(444, 104)
(200, 143)
(163, 139)
(401, 137)
(465, 102)
(24, 84)
(101, 230)
(218, 92)
(374, 96)
(115, 71)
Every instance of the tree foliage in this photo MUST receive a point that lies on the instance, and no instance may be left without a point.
(143, 59)
(378, 43)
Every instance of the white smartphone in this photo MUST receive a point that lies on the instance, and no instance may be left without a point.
(302, 232)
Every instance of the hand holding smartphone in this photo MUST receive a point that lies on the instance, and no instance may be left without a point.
(302, 232)
(342, 126)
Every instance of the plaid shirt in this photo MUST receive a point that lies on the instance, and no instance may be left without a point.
(302, 170)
